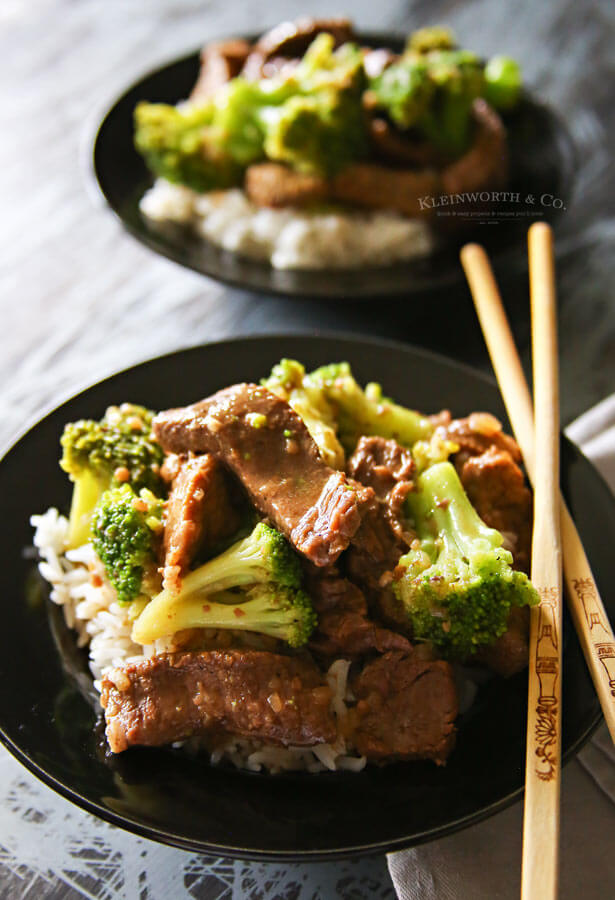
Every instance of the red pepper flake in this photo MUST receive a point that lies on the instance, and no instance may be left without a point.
(443, 504)
(139, 505)
(238, 612)
(206, 607)
(121, 474)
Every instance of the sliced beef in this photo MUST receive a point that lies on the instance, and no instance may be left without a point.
(275, 185)
(509, 654)
(220, 61)
(406, 708)
(485, 165)
(496, 487)
(374, 186)
(488, 465)
(268, 447)
(388, 468)
(290, 40)
(199, 513)
(254, 694)
(344, 627)
(384, 535)
(477, 433)
(394, 148)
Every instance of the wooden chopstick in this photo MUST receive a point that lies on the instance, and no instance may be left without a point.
(588, 614)
(539, 873)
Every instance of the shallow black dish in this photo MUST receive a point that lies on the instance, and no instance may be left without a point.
(542, 163)
(48, 721)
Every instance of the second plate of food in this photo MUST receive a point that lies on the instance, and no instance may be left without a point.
(51, 720)
(430, 169)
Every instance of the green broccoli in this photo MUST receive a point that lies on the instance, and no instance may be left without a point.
(430, 90)
(360, 412)
(404, 90)
(264, 556)
(435, 37)
(502, 82)
(280, 612)
(456, 585)
(287, 380)
(264, 568)
(311, 119)
(322, 128)
(99, 455)
(126, 530)
(183, 146)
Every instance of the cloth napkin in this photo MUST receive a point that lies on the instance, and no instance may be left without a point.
(483, 862)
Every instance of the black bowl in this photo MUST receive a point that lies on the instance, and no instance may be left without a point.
(543, 164)
(48, 721)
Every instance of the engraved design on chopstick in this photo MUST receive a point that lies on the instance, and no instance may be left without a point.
(586, 592)
(547, 670)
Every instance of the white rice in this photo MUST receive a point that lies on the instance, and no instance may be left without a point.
(91, 609)
(290, 238)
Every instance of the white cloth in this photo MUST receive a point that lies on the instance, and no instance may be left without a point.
(483, 862)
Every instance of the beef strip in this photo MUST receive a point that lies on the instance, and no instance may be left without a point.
(199, 513)
(290, 40)
(344, 627)
(384, 535)
(488, 466)
(163, 699)
(406, 708)
(274, 185)
(220, 61)
(496, 487)
(485, 165)
(267, 445)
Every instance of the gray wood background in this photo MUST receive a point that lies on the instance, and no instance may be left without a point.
(80, 298)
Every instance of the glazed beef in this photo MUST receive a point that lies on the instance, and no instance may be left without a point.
(266, 444)
(260, 695)
(274, 185)
(344, 627)
(199, 513)
(488, 466)
(220, 61)
(384, 536)
(406, 708)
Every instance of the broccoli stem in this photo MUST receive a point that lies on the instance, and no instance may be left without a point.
(87, 490)
(225, 610)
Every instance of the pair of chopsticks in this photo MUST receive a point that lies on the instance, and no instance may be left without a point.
(555, 535)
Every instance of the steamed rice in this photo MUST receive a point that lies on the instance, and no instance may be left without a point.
(91, 609)
(290, 238)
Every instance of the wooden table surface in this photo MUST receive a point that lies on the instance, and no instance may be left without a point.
(80, 298)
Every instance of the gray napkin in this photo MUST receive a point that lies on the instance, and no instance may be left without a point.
(483, 862)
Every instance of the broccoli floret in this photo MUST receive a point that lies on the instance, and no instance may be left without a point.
(404, 90)
(311, 119)
(430, 90)
(183, 146)
(322, 128)
(126, 530)
(287, 380)
(280, 612)
(457, 585)
(98, 455)
(436, 37)
(270, 600)
(502, 82)
(360, 412)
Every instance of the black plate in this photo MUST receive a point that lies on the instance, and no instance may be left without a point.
(542, 163)
(48, 722)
